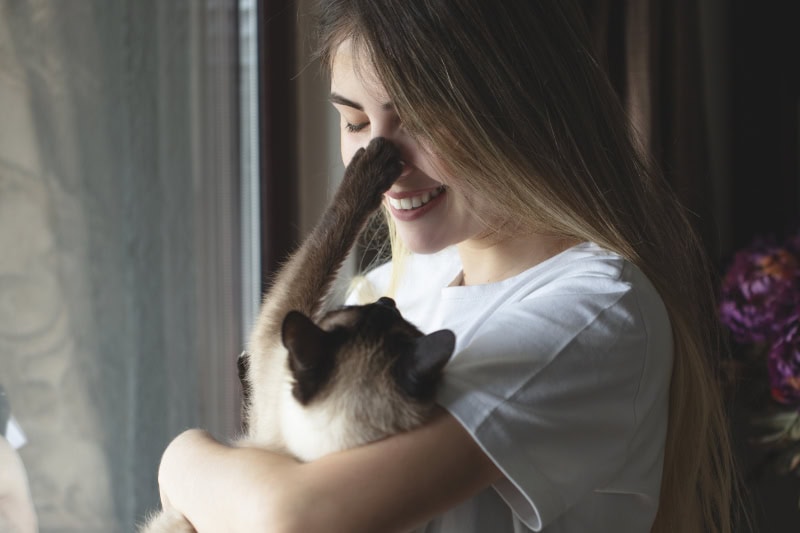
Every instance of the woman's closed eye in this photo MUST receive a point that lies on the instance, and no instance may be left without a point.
(355, 128)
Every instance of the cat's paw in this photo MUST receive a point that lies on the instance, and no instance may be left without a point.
(373, 169)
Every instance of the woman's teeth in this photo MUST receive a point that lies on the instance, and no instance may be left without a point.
(413, 202)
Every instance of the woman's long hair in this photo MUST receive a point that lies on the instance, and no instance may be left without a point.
(509, 95)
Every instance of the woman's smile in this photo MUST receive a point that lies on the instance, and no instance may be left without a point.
(410, 205)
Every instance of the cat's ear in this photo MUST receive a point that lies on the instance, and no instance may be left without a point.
(419, 370)
(311, 357)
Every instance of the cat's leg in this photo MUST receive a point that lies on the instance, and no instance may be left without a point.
(167, 522)
(304, 281)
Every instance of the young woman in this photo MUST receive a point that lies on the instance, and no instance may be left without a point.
(583, 396)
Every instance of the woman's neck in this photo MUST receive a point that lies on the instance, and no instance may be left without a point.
(494, 258)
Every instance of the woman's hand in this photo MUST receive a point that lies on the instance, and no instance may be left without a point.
(221, 488)
(176, 469)
(16, 507)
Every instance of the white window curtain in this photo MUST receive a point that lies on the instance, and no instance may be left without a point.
(120, 243)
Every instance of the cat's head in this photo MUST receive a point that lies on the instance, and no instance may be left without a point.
(362, 372)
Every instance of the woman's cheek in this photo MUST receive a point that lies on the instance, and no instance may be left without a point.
(349, 147)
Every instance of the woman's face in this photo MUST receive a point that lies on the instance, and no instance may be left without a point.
(428, 210)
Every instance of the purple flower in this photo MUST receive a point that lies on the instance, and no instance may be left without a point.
(793, 243)
(760, 292)
(783, 365)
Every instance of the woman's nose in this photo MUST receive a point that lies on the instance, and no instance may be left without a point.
(403, 143)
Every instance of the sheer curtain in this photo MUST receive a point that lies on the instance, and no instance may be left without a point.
(120, 243)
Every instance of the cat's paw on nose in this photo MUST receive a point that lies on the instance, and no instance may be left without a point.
(373, 169)
(386, 162)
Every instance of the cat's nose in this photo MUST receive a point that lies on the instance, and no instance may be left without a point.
(388, 302)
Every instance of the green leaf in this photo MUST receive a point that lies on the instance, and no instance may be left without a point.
(777, 421)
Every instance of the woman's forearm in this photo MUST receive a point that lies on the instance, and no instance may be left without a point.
(220, 488)
(389, 485)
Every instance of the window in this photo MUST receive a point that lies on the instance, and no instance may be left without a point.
(122, 262)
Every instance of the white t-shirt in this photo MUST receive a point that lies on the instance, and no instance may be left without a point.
(561, 374)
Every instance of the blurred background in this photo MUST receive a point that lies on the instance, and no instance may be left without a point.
(158, 159)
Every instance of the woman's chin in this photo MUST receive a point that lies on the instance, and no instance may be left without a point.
(421, 243)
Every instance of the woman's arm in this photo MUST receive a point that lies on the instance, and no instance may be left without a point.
(390, 485)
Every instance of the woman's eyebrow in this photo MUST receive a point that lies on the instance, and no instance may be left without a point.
(339, 99)
(336, 98)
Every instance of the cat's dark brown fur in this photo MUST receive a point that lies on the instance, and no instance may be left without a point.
(321, 381)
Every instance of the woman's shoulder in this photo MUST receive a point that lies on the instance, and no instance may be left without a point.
(587, 269)
(585, 259)
(585, 289)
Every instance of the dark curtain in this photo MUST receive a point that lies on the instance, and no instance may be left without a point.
(651, 52)
(277, 29)
(713, 88)
(765, 115)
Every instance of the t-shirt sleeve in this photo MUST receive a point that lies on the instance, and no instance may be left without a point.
(547, 387)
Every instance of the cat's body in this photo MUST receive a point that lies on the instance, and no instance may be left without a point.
(321, 382)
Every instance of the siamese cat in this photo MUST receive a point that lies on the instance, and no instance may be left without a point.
(318, 381)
